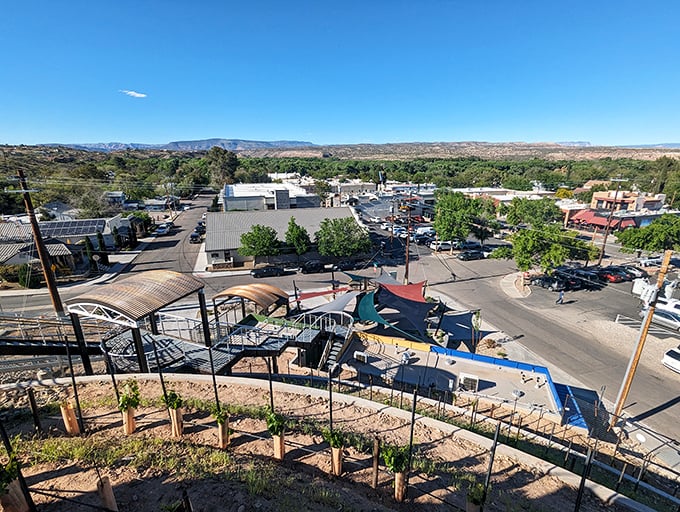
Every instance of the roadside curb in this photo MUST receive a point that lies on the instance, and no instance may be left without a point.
(509, 284)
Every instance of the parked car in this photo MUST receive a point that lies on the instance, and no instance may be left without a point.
(424, 239)
(554, 284)
(195, 238)
(470, 244)
(671, 359)
(374, 219)
(625, 276)
(438, 245)
(634, 271)
(200, 228)
(163, 229)
(345, 265)
(609, 276)
(471, 255)
(420, 239)
(672, 305)
(663, 317)
(579, 279)
(268, 271)
(650, 261)
(313, 267)
(386, 226)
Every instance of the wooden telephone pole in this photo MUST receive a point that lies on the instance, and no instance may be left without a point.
(42, 250)
(644, 329)
(408, 239)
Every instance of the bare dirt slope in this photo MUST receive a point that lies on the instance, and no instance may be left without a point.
(246, 478)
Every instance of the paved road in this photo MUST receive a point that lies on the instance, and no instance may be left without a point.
(552, 332)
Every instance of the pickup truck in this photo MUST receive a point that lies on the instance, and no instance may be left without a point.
(650, 261)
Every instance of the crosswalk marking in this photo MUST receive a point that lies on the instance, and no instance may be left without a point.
(653, 329)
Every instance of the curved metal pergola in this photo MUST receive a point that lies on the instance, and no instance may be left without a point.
(264, 295)
(131, 300)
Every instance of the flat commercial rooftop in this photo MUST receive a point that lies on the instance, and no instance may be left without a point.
(445, 372)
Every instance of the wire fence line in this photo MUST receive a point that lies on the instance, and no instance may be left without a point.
(616, 461)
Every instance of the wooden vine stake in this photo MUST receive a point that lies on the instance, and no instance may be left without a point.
(399, 486)
(174, 403)
(176, 421)
(279, 447)
(336, 461)
(105, 492)
(129, 424)
(14, 500)
(69, 417)
(223, 434)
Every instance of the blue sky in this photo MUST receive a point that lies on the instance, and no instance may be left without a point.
(367, 71)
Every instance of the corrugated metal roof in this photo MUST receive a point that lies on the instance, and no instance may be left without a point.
(56, 248)
(224, 229)
(13, 232)
(8, 251)
(140, 295)
(262, 294)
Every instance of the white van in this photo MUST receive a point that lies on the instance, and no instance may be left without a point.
(671, 359)
(440, 246)
(672, 305)
(425, 230)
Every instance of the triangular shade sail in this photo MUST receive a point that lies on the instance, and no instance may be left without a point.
(357, 277)
(311, 295)
(412, 291)
(339, 304)
(367, 312)
(386, 278)
(411, 314)
(458, 326)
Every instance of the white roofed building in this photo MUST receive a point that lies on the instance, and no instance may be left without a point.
(267, 196)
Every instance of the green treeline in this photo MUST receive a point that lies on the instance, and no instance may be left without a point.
(80, 178)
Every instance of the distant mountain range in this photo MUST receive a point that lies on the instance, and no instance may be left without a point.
(574, 150)
(191, 145)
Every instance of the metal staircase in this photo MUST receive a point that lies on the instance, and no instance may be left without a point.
(338, 328)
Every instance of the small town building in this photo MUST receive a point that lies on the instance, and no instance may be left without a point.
(624, 200)
(267, 196)
(224, 230)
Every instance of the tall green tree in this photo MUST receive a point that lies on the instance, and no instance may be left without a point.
(660, 235)
(260, 241)
(89, 252)
(29, 276)
(322, 189)
(453, 216)
(117, 239)
(483, 228)
(342, 238)
(297, 237)
(533, 212)
(101, 245)
(546, 247)
(222, 165)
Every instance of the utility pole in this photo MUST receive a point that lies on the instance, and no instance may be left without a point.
(408, 239)
(644, 329)
(42, 250)
(609, 218)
